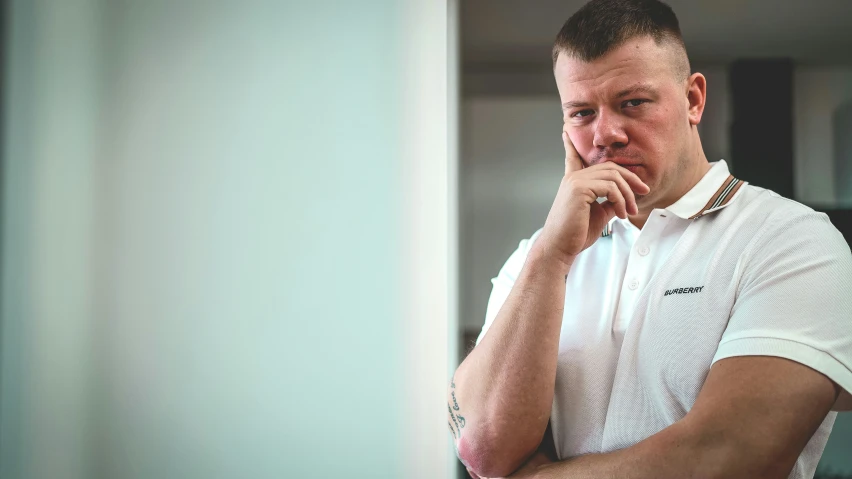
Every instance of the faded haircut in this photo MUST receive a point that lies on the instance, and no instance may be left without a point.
(600, 26)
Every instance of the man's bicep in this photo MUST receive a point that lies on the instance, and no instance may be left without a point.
(761, 411)
(792, 301)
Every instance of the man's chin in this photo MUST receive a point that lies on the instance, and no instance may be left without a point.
(644, 203)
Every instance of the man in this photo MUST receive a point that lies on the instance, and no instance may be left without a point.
(669, 320)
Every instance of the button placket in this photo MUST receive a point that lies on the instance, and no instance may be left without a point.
(638, 270)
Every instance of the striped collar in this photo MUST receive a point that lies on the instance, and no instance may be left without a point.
(713, 192)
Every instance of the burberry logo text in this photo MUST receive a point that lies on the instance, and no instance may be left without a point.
(684, 290)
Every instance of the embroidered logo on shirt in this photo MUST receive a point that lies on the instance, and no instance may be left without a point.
(696, 289)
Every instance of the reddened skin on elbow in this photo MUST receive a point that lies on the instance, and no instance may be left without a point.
(483, 459)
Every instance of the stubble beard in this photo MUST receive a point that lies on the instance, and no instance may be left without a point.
(669, 177)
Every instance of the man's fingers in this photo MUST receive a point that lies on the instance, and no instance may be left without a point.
(572, 158)
(636, 183)
(628, 182)
(609, 209)
(626, 191)
(609, 189)
(618, 177)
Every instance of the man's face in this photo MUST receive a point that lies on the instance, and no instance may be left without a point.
(630, 107)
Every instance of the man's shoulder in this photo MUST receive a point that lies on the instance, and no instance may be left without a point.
(766, 199)
(776, 219)
(769, 209)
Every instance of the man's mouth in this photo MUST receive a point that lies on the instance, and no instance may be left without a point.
(625, 163)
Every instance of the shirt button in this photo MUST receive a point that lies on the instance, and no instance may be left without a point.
(633, 284)
(644, 250)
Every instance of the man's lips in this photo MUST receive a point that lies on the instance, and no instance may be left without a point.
(630, 165)
(618, 160)
(623, 161)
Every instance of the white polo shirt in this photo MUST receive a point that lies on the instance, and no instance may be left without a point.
(730, 269)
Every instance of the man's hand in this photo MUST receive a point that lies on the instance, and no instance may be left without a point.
(576, 219)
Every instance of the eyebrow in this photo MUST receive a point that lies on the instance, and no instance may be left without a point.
(641, 88)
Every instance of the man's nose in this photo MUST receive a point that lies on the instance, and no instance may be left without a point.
(609, 132)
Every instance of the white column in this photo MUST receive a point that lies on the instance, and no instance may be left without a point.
(226, 240)
(50, 147)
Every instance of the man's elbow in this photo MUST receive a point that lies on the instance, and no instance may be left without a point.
(490, 456)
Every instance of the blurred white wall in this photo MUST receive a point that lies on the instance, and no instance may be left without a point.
(51, 102)
(225, 240)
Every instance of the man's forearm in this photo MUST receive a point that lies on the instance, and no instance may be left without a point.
(504, 388)
(677, 452)
(667, 454)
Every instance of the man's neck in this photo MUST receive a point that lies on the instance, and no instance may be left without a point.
(698, 167)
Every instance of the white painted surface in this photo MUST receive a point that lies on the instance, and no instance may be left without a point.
(225, 240)
(429, 253)
(50, 108)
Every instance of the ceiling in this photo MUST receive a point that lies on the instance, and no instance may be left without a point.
(518, 33)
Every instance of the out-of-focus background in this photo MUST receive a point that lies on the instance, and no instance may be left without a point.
(779, 111)
(224, 239)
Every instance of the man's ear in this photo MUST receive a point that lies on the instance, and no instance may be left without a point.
(696, 95)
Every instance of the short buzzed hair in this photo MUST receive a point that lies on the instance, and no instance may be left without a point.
(603, 25)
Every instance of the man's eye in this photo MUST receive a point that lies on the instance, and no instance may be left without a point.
(582, 113)
(634, 102)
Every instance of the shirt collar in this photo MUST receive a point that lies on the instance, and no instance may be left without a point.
(714, 191)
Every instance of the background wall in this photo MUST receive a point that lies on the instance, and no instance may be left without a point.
(225, 240)
(818, 92)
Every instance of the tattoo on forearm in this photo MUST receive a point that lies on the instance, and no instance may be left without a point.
(458, 420)
(455, 421)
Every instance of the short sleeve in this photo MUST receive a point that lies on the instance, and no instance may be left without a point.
(794, 300)
(503, 282)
